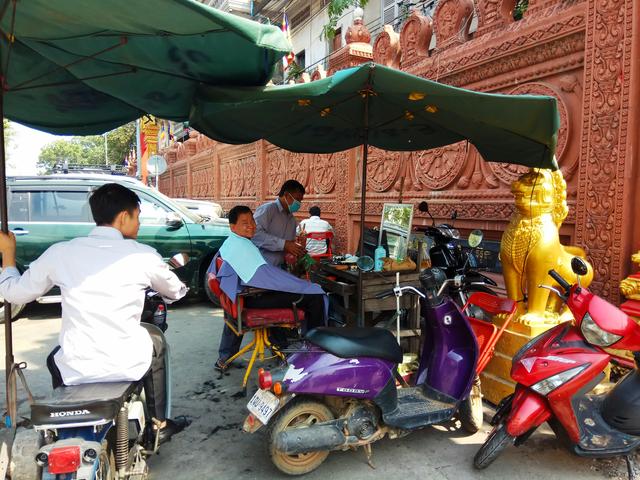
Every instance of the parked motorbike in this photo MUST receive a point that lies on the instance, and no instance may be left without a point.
(555, 373)
(95, 431)
(448, 254)
(339, 389)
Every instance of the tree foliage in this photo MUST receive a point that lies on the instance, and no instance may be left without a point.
(89, 150)
(335, 10)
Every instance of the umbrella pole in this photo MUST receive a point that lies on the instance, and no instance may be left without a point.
(8, 335)
(363, 197)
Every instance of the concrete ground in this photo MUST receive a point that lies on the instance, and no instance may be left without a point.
(214, 447)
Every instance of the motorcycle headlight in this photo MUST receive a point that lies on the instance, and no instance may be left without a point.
(548, 385)
(595, 335)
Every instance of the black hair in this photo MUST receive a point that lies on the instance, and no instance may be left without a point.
(109, 200)
(314, 211)
(236, 211)
(291, 186)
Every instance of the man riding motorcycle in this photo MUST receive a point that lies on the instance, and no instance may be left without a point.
(102, 279)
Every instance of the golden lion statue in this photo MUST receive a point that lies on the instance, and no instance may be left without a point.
(531, 246)
(630, 286)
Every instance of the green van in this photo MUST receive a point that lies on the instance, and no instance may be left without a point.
(47, 209)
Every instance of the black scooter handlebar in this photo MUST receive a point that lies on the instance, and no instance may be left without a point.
(385, 294)
(561, 281)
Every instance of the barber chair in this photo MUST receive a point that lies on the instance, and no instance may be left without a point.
(253, 320)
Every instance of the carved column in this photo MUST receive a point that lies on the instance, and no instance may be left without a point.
(607, 176)
(189, 181)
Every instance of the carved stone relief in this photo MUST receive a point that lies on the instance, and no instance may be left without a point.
(386, 49)
(437, 168)
(276, 169)
(452, 22)
(323, 168)
(382, 169)
(202, 181)
(415, 38)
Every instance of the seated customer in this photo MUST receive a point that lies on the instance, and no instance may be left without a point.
(244, 265)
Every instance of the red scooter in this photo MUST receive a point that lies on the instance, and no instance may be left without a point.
(555, 373)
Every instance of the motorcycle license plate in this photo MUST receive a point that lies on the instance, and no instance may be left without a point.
(263, 405)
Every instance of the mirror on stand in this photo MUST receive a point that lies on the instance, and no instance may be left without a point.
(396, 222)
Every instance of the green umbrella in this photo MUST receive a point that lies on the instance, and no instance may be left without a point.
(383, 107)
(86, 66)
(387, 108)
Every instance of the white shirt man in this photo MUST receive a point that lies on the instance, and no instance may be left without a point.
(314, 224)
(102, 279)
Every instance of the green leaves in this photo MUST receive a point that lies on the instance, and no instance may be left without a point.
(89, 150)
(335, 10)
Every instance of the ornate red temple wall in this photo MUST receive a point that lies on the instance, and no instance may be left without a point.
(584, 53)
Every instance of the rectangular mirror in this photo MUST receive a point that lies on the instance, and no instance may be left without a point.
(396, 222)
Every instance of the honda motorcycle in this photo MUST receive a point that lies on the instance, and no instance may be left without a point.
(340, 388)
(556, 373)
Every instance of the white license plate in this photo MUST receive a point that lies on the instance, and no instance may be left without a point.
(263, 405)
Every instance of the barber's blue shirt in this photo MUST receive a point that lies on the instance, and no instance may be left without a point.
(274, 226)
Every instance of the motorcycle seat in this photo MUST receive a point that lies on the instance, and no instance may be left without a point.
(357, 342)
(87, 404)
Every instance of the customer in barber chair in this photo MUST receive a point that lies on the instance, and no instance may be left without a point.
(244, 266)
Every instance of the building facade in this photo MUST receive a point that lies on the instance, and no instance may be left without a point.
(585, 53)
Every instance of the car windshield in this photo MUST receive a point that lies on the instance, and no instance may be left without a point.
(191, 215)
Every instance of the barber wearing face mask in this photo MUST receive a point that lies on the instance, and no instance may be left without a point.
(276, 226)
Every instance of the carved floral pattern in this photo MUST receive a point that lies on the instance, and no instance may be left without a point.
(202, 182)
(438, 167)
(599, 222)
(275, 170)
(324, 168)
(382, 169)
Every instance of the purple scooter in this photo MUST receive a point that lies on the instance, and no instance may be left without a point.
(339, 389)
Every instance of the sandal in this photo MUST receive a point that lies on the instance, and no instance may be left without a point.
(221, 365)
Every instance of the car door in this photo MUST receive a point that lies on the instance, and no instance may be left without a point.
(40, 216)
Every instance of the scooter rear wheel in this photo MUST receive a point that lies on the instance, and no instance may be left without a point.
(498, 440)
(298, 414)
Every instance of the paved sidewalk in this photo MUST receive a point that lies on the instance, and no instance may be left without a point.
(213, 447)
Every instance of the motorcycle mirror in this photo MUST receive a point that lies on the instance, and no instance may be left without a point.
(424, 207)
(178, 260)
(579, 266)
(475, 238)
(454, 215)
(365, 263)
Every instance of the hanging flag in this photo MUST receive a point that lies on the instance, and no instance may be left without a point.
(287, 59)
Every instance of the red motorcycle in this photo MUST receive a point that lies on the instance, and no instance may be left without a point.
(555, 373)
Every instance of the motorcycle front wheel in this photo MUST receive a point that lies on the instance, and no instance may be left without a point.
(498, 440)
(298, 414)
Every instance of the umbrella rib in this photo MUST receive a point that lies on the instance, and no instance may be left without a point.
(71, 82)
(75, 62)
